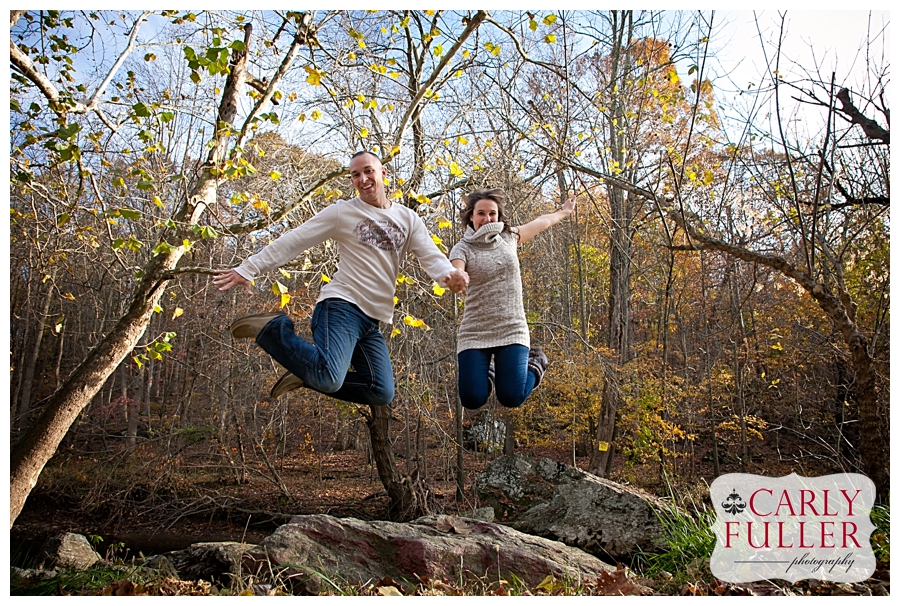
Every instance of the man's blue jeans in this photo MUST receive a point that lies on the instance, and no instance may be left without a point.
(513, 380)
(343, 336)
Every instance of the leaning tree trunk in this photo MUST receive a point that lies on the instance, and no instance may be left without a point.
(39, 443)
(409, 498)
(42, 438)
(873, 451)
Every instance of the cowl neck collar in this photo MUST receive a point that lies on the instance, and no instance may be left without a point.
(487, 235)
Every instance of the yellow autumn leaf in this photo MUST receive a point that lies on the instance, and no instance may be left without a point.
(707, 177)
(466, 54)
(547, 583)
(415, 322)
(462, 140)
(274, 175)
(325, 279)
(314, 78)
(436, 289)
(549, 19)
(396, 300)
(395, 150)
(157, 201)
(455, 169)
(436, 240)
(395, 332)
(550, 38)
(178, 311)
(444, 223)
(397, 194)
(285, 299)
(157, 309)
(316, 114)
(284, 273)
(278, 288)
(532, 25)
(364, 132)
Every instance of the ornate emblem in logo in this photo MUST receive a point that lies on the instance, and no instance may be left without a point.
(734, 504)
(383, 235)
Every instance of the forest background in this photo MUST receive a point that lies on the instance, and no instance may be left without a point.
(719, 301)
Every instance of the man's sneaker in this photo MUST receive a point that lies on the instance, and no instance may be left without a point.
(538, 362)
(249, 326)
(288, 381)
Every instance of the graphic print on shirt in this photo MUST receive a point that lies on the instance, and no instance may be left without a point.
(383, 235)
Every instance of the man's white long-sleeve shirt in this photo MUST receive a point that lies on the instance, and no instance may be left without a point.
(371, 243)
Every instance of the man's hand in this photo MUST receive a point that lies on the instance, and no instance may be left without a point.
(457, 280)
(226, 278)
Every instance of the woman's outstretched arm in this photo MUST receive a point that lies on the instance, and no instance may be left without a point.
(533, 228)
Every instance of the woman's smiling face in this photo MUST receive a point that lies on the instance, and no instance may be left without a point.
(485, 212)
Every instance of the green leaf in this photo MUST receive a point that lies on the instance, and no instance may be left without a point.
(128, 213)
(162, 248)
(62, 219)
(237, 45)
(141, 110)
(208, 232)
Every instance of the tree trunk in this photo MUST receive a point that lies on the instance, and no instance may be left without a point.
(874, 455)
(134, 412)
(31, 453)
(601, 456)
(40, 442)
(408, 495)
(28, 378)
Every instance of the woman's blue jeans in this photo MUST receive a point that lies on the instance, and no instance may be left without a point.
(512, 379)
(343, 336)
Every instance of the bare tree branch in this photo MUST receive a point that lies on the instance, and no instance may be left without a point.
(869, 126)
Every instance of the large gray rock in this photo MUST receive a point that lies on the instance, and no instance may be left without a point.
(437, 547)
(552, 500)
(70, 550)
